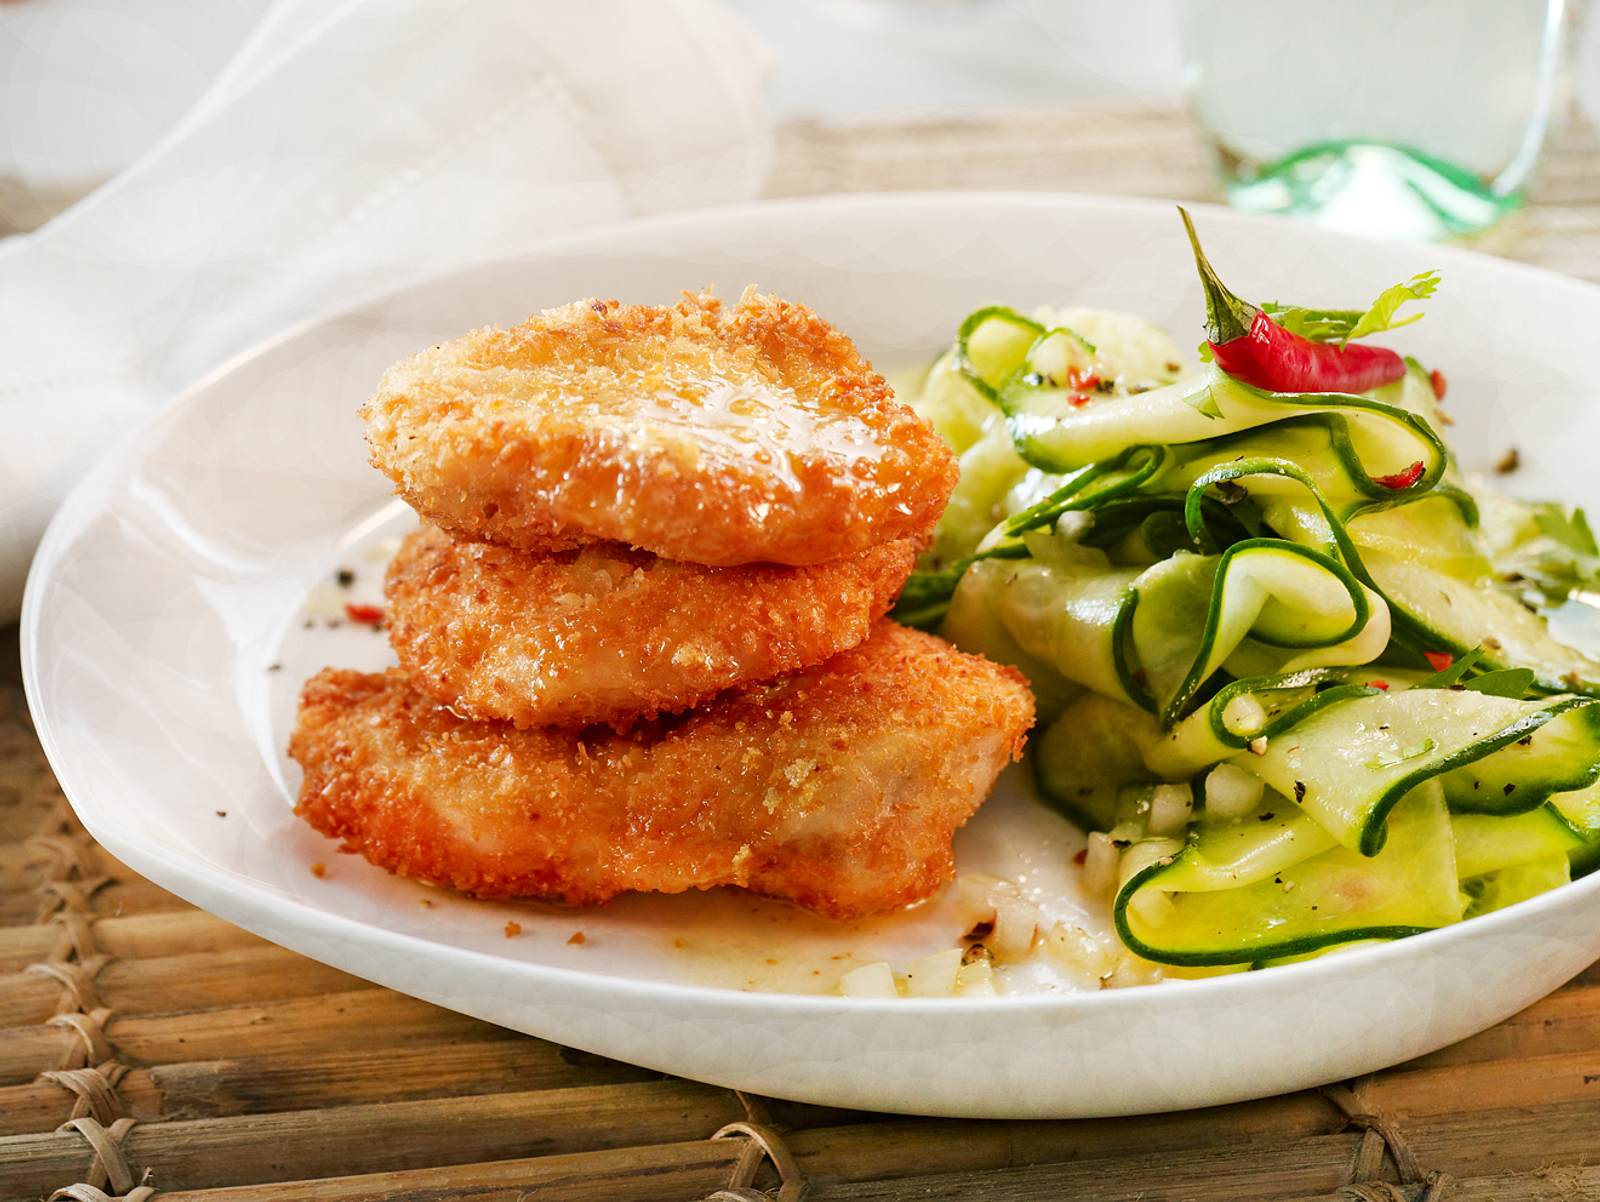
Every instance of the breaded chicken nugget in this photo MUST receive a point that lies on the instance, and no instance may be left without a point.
(703, 433)
(838, 788)
(604, 633)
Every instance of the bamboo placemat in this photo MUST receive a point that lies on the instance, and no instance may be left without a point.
(150, 1050)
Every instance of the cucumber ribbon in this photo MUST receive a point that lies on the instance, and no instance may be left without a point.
(1207, 573)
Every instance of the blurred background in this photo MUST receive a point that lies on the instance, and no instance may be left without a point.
(180, 181)
(1203, 97)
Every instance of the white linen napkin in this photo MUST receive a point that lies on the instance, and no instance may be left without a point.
(347, 149)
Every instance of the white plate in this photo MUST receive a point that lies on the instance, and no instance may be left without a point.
(176, 574)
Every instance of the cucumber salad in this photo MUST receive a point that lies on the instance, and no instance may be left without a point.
(1295, 673)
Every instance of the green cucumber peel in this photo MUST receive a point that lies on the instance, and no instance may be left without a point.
(1139, 464)
(1301, 908)
(1205, 660)
(1410, 629)
(990, 369)
(1351, 786)
(1058, 437)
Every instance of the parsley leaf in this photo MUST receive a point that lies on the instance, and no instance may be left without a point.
(1342, 325)
(1381, 316)
(1505, 682)
(1570, 530)
(1502, 682)
(1319, 325)
(1563, 555)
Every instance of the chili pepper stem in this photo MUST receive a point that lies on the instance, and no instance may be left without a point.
(1227, 317)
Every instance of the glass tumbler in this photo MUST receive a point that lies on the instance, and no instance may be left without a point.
(1399, 118)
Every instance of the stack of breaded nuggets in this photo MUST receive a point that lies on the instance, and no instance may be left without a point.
(642, 643)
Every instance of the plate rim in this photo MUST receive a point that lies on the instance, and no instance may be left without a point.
(186, 876)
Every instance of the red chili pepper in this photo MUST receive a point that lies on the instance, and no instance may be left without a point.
(1250, 346)
(372, 615)
(1439, 659)
(1078, 399)
(1082, 381)
(1378, 684)
(1403, 479)
(1440, 384)
(1081, 857)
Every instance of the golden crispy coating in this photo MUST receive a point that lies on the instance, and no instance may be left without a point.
(700, 432)
(605, 634)
(838, 788)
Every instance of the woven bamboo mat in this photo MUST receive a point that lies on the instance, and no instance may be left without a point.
(150, 1050)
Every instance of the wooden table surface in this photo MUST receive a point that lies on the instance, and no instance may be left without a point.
(1144, 152)
(176, 1047)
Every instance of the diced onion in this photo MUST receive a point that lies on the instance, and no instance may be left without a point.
(935, 975)
(1131, 970)
(870, 980)
(1170, 807)
(1100, 864)
(976, 980)
(326, 601)
(1231, 792)
(1015, 921)
(973, 890)
(1080, 951)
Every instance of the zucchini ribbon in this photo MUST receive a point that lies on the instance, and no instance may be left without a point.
(1288, 589)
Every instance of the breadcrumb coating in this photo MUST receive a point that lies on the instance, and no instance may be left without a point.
(839, 788)
(605, 634)
(701, 432)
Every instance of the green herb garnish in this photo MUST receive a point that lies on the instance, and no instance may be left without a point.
(1571, 530)
(1410, 753)
(1343, 325)
(1562, 557)
(1452, 675)
(1506, 682)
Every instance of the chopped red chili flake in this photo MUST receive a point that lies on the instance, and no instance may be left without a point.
(1078, 399)
(372, 615)
(1082, 856)
(1439, 659)
(1403, 479)
(1082, 381)
(1378, 684)
(1440, 384)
